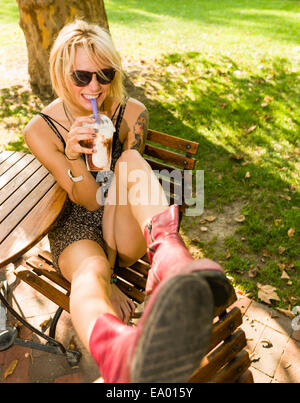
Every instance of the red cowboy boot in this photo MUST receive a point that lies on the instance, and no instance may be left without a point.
(169, 341)
(169, 256)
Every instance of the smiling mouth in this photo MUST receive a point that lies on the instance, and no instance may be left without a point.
(89, 97)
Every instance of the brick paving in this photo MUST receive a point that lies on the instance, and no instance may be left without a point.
(272, 344)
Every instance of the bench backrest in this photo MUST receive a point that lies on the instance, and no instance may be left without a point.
(170, 154)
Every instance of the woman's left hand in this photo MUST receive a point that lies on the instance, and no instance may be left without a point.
(122, 304)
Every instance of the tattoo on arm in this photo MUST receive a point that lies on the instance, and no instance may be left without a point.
(140, 132)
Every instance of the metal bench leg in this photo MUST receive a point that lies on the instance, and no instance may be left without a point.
(54, 321)
(8, 334)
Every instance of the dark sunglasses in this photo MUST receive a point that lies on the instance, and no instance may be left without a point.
(82, 78)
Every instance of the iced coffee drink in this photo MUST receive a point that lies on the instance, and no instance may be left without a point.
(101, 159)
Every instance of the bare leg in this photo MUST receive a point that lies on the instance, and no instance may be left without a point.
(85, 265)
(135, 184)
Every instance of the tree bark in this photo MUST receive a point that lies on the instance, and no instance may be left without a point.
(41, 20)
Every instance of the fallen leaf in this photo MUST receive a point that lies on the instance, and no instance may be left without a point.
(266, 293)
(251, 129)
(266, 343)
(291, 232)
(281, 249)
(281, 266)
(210, 218)
(253, 271)
(45, 323)
(228, 256)
(267, 117)
(286, 312)
(72, 344)
(285, 275)
(268, 99)
(254, 357)
(289, 265)
(10, 369)
(240, 218)
(296, 310)
(277, 222)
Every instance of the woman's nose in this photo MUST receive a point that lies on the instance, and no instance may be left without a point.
(94, 83)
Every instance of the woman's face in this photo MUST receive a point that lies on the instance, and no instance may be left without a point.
(82, 95)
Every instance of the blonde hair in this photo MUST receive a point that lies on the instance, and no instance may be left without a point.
(98, 44)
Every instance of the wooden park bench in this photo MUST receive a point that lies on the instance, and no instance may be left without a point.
(226, 361)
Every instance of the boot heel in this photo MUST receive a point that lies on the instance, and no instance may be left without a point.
(220, 286)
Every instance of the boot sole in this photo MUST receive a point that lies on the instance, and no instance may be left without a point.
(177, 331)
(220, 286)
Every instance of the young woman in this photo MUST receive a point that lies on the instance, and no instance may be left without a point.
(174, 331)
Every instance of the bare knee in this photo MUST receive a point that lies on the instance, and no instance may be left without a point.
(130, 155)
(133, 159)
(91, 269)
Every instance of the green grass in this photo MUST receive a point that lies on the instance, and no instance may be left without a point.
(226, 75)
(10, 32)
(144, 28)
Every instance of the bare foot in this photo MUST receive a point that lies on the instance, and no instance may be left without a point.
(123, 305)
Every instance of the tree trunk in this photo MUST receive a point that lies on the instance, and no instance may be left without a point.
(41, 20)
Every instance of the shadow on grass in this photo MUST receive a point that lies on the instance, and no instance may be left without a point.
(17, 107)
(246, 125)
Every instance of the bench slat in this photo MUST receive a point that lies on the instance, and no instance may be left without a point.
(234, 369)
(169, 156)
(173, 141)
(131, 277)
(215, 360)
(42, 268)
(225, 327)
(43, 287)
(130, 291)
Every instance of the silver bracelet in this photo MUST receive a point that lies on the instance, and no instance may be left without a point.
(74, 178)
(72, 159)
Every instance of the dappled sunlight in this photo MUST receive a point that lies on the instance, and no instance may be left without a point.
(245, 113)
(245, 120)
(17, 106)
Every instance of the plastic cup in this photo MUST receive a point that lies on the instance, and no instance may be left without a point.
(101, 159)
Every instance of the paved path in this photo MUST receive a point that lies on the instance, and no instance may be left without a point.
(272, 343)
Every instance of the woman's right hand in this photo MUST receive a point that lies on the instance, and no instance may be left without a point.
(80, 139)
